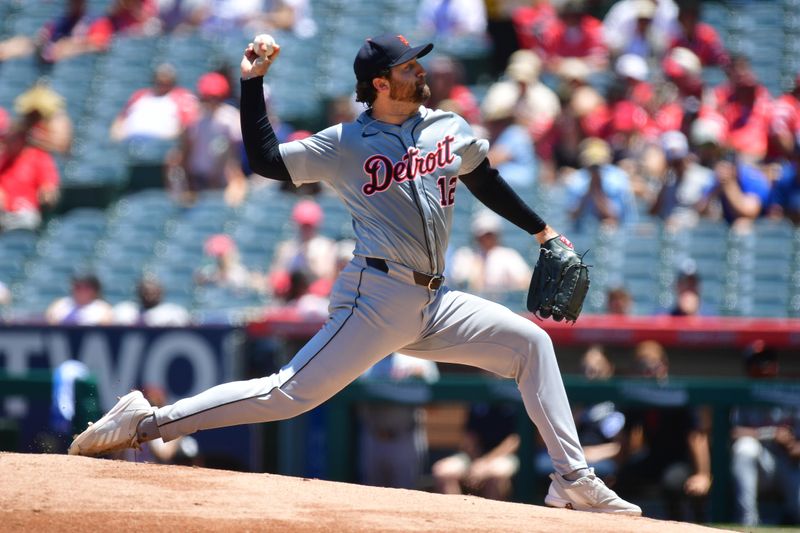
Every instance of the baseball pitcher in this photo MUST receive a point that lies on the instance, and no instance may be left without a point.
(395, 168)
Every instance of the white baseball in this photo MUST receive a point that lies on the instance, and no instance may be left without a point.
(266, 40)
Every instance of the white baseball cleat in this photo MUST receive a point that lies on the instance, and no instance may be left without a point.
(588, 493)
(116, 430)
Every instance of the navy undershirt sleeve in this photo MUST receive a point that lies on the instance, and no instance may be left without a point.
(260, 142)
(486, 184)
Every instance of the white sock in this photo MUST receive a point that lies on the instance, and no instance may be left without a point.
(148, 429)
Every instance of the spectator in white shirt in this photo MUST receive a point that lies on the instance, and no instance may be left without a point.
(489, 268)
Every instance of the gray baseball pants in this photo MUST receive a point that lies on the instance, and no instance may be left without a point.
(373, 314)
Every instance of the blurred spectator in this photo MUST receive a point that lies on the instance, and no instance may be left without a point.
(666, 444)
(28, 180)
(699, 37)
(512, 151)
(5, 295)
(208, 154)
(576, 35)
(307, 249)
(225, 268)
(688, 301)
(600, 191)
(679, 102)
(160, 112)
(150, 309)
(532, 23)
(632, 130)
(640, 27)
(393, 437)
(181, 16)
(76, 32)
(42, 112)
(682, 183)
(618, 301)
(766, 450)
(489, 268)
(290, 15)
(446, 81)
(741, 190)
(599, 425)
(746, 106)
(224, 16)
(304, 297)
(785, 195)
(451, 19)
(73, 22)
(500, 27)
(256, 16)
(538, 106)
(72, 36)
(486, 460)
(84, 307)
(632, 76)
(584, 114)
(62, 406)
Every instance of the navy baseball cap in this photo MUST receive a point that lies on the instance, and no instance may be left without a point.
(385, 51)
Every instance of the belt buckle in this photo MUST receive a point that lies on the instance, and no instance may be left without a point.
(435, 282)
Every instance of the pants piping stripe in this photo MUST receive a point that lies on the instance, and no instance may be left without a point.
(352, 309)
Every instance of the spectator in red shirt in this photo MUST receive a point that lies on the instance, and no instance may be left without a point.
(746, 106)
(533, 23)
(125, 16)
(784, 126)
(28, 181)
(699, 37)
(681, 101)
(161, 111)
(576, 34)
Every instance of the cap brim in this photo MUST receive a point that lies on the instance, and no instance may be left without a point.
(413, 53)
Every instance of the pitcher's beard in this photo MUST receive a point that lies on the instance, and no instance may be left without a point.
(418, 94)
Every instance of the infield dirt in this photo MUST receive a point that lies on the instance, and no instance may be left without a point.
(62, 493)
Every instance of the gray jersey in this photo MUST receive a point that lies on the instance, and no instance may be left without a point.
(398, 182)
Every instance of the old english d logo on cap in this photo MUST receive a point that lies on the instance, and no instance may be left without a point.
(385, 51)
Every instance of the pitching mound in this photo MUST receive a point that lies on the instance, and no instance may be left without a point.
(56, 492)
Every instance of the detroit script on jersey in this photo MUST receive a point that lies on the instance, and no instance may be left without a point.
(382, 171)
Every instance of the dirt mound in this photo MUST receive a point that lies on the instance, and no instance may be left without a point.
(57, 492)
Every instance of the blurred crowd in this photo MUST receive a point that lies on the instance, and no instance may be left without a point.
(606, 102)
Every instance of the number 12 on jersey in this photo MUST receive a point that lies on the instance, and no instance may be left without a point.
(447, 190)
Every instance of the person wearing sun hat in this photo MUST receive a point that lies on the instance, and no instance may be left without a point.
(43, 113)
(599, 191)
(682, 183)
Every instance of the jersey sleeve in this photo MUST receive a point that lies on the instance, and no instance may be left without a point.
(471, 149)
(314, 158)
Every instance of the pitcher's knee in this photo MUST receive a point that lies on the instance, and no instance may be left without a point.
(746, 448)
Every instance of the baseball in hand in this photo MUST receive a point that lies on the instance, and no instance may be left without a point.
(268, 43)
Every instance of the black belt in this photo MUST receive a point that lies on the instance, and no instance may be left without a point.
(431, 282)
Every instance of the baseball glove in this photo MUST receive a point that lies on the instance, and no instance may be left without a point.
(560, 281)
